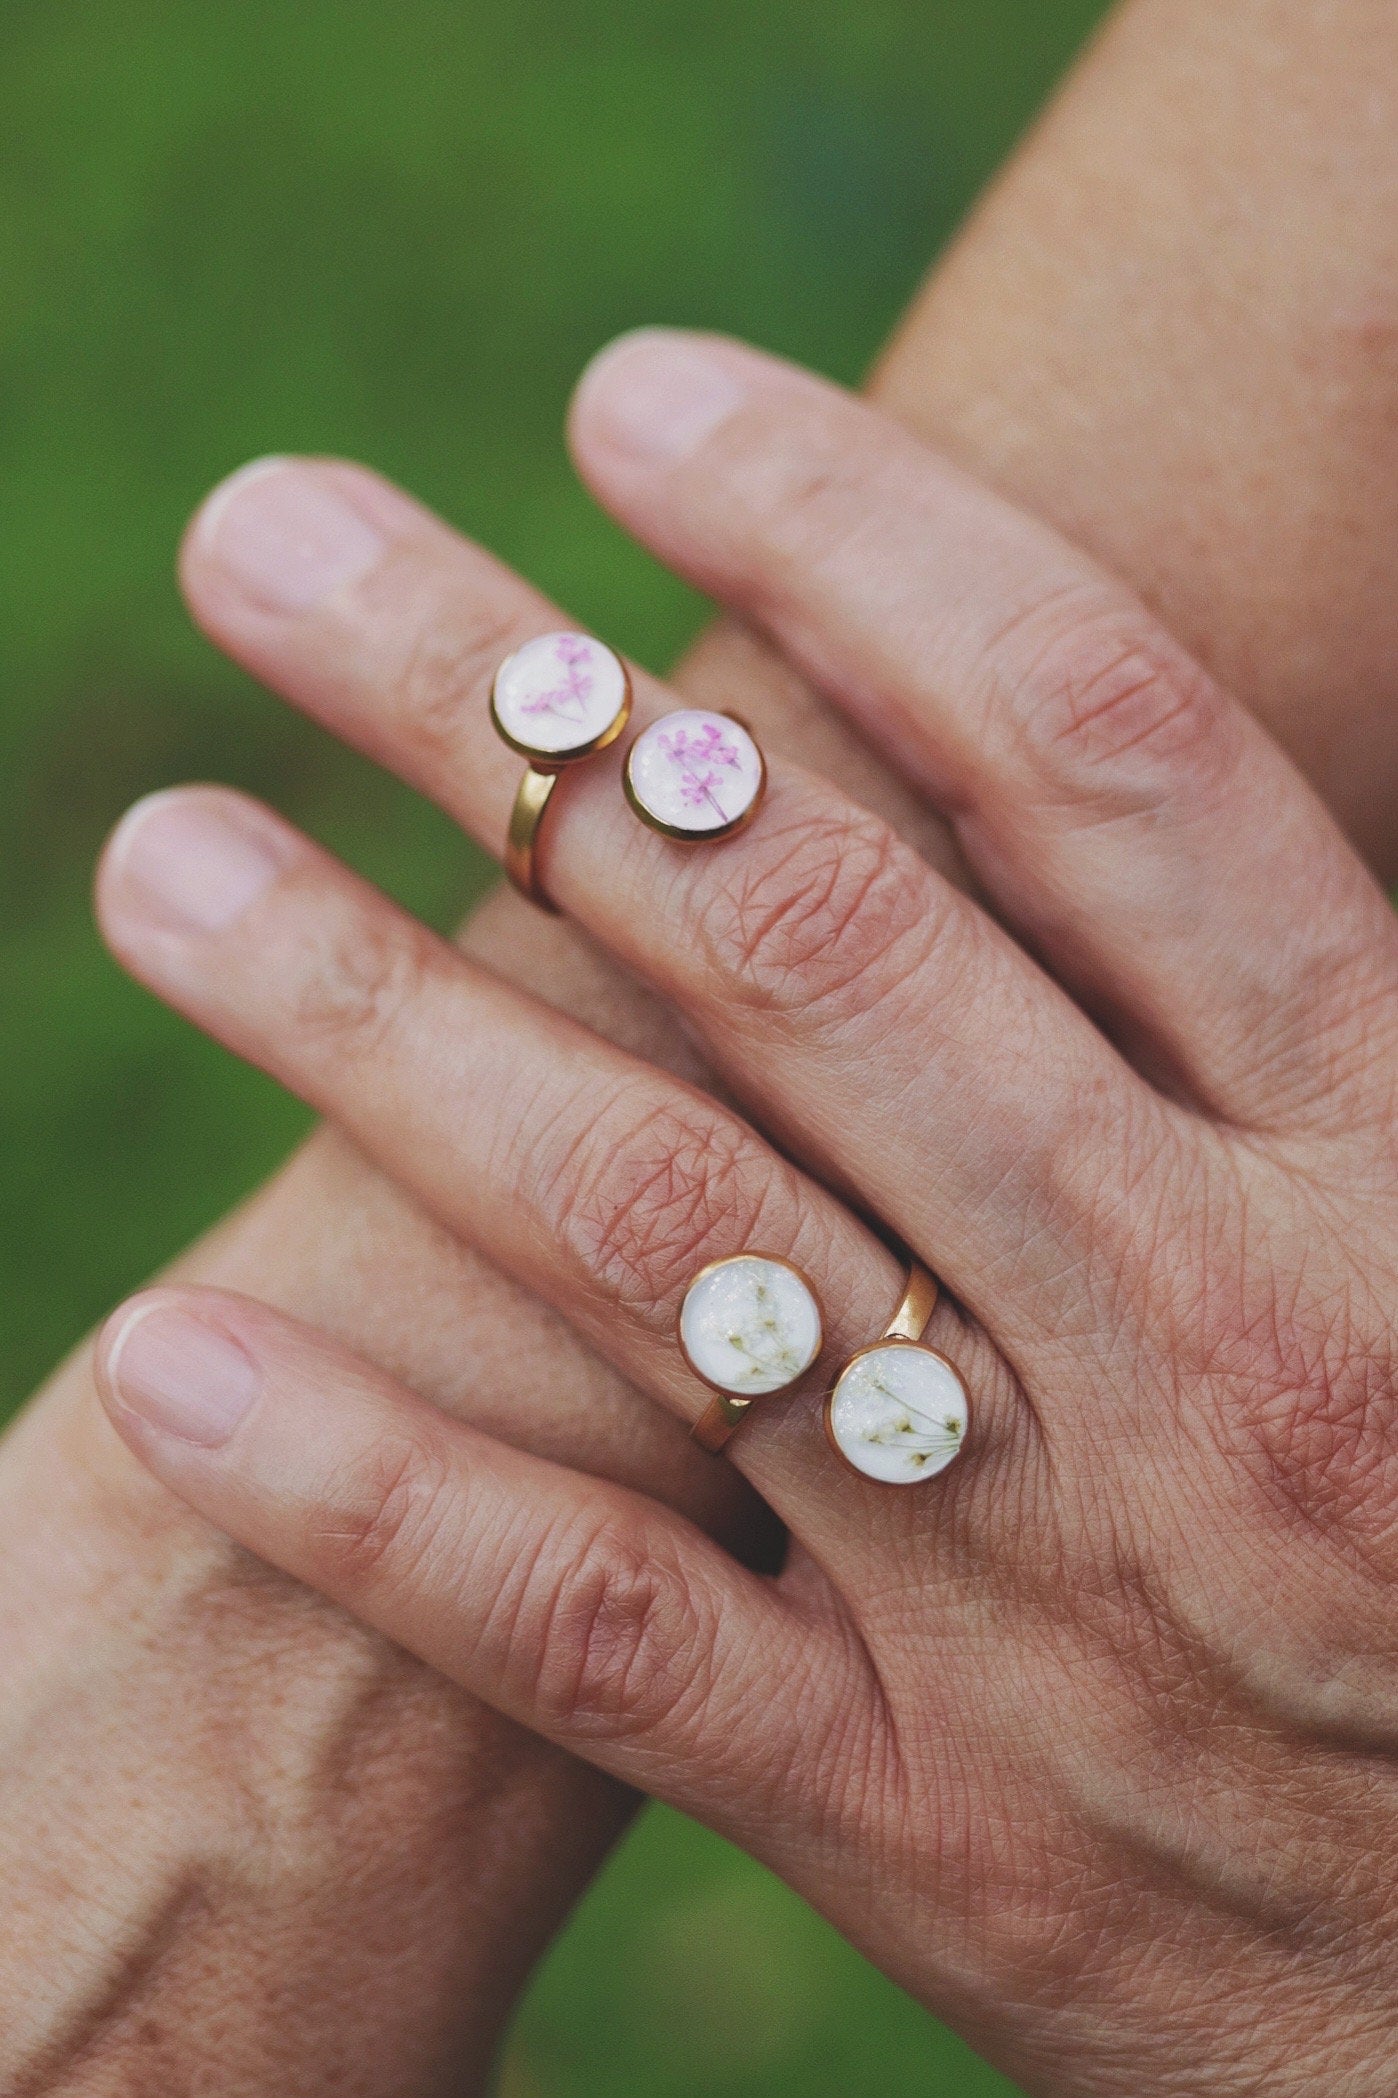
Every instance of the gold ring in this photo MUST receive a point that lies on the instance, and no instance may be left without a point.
(558, 699)
(525, 817)
(749, 1326)
(718, 1420)
(899, 1410)
(696, 776)
(729, 1408)
(919, 1300)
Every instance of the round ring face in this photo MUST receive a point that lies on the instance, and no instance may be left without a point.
(695, 775)
(898, 1413)
(561, 696)
(750, 1325)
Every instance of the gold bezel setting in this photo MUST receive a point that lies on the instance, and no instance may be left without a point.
(901, 1344)
(545, 767)
(554, 761)
(728, 1408)
(681, 834)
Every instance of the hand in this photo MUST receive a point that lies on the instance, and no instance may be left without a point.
(1086, 1743)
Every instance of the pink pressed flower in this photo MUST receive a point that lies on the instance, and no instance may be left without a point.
(699, 787)
(567, 701)
(694, 757)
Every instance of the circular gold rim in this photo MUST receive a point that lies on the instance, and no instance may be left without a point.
(773, 1260)
(728, 1410)
(875, 1347)
(697, 837)
(553, 761)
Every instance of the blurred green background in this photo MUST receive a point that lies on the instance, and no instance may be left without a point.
(398, 231)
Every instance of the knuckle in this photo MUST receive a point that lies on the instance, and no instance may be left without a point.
(449, 657)
(822, 917)
(1103, 701)
(806, 498)
(1309, 1381)
(1324, 1433)
(616, 1640)
(382, 1514)
(647, 1193)
(358, 972)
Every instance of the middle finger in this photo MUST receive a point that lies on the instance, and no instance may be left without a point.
(921, 1060)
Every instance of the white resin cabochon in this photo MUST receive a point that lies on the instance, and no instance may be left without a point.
(559, 692)
(695, 772)
(899, 1413)
(750, 1325)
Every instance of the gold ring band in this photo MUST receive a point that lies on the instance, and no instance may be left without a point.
(724, 1414)
(718, 1420)
(910, 1321)
(521, 840)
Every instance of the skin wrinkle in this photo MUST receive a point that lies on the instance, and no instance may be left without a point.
(352, 989)
(1111, 636)
(789, 1796)
(654, 1445)
(449, 663)
(642, 1201)
(1002, 953)
(619, 1593)
(615, 1638)
(92, 2028)
(1101, 691)
(439, 635)
(536, 1137)
(907, 1107)
(822, 916)
(1291, 1357)
(386, 1511)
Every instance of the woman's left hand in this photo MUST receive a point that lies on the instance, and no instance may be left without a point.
(1090, 1741)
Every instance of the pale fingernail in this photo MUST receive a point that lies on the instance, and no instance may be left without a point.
(193, 861)
(657, 395)
(288, 535)
(179, 1375)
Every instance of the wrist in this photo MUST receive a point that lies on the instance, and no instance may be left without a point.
(244, 1839)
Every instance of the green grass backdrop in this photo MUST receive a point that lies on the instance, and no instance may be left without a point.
(398, 231)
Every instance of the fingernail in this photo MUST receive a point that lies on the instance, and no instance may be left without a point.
(192, 861)
(287, 535)
(179, 1375)
(657, 395)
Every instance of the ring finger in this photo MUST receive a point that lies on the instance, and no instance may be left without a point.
(601, 1183)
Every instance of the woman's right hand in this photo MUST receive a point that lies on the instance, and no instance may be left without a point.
(1089, 1744)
